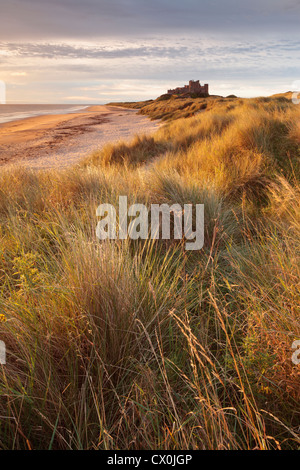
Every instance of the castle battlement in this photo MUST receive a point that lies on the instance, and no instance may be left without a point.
(192, 87)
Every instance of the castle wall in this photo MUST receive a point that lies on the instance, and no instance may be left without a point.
(192, 87)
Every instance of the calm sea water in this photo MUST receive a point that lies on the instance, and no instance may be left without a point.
(12, 112)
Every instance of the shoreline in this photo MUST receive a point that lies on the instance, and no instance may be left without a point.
(23, 111)
(61, 140)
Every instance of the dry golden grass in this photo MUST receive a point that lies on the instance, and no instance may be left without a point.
(172, 107)
(141, 345)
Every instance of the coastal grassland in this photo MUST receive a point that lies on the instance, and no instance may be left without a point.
(172, 107)
(142, 345)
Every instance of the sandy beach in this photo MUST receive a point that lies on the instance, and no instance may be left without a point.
(61, 140)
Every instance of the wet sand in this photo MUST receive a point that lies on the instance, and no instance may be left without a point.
(61, 140)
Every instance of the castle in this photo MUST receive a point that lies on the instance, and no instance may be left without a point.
(192, 87)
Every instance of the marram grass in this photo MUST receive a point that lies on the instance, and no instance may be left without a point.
(131, 345)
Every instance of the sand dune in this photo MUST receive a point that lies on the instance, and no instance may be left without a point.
(52, 141)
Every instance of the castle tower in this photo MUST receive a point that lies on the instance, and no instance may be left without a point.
(194, 86)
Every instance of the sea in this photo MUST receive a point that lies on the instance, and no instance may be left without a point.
(13, 112)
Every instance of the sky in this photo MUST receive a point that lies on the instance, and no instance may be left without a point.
(97, 51)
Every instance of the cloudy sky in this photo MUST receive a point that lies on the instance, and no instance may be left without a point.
(95, 51)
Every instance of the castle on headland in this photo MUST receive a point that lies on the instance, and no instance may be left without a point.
(192, 87)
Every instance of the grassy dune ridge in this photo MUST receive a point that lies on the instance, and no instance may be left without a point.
(142, 345)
